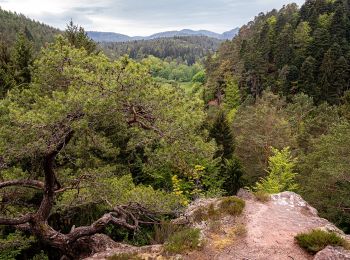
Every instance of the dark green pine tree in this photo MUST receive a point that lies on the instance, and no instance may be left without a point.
(6, 78)
(289, 79)
(307, 80)
(230, 170)
(341, 77)
(340, 23)
(328, 80)
(221, 132)
(321, 43)
(22, 58)
(284, 46)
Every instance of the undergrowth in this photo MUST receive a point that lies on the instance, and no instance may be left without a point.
(262, 196)
(232, 205)
(317, 240)
(187, 239)
(227, 206)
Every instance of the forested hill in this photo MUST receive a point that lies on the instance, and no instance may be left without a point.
(291, 51)
(117, 37)
(12, 23)
(186, 48)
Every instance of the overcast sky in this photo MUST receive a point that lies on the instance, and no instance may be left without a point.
(145, 17)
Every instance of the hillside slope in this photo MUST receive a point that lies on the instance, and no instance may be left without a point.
(12, 23)
(188, 48)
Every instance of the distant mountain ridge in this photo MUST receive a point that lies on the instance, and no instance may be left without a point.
(117, 37)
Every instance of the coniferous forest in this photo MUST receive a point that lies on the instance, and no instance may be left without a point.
(119, 138)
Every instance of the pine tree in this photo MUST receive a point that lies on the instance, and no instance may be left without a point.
(230, 169)
(22, 58)
(307, 82)
(341, 76)
(339, 24)
(327, 75)
(6, 78)
(281, 173)
(232, 172)
(78, 38)
(222, 134)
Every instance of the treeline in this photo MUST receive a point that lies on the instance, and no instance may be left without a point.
(291, 51)
(187, 49)
(12, 23)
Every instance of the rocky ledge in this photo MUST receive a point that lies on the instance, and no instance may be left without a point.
(263, 231)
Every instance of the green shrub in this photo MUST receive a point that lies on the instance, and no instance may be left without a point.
(184, 240)
(125, 256)
(232, 205)
(12, 245)
(200, 215)
(262, 196)
(204, 214)
(163, 231)
(317, 240)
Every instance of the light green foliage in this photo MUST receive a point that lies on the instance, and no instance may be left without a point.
(13, 244)
(198, 183)
(232, 98)
(324, 20)
(302, 38)
(199, 77)
(173, 70)
(281, 175)
(232, 94)
(185, 240)
(317, 240)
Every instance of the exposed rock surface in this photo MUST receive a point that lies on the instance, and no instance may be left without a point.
(333, 253)
(265, 231)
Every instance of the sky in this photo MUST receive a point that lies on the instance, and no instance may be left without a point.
(145, 17)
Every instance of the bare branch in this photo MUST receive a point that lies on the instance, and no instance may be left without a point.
(16, 221)
(23, 183)
(126, 216)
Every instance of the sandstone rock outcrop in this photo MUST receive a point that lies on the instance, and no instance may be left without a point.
(333, 253)
(264, 231)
